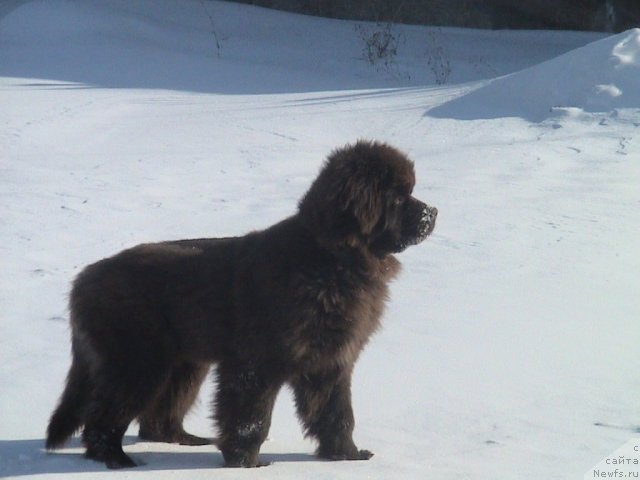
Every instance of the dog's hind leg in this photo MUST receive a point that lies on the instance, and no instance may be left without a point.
(120, 394)
(162, 421)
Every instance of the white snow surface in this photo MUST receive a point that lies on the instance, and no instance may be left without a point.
(598, 77)
(510, 345)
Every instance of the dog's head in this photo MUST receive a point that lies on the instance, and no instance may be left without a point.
(363, 198)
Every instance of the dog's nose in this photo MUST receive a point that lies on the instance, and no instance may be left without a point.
(427, 221)
(430, 213)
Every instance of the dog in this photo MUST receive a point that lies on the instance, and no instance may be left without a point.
(292, 304)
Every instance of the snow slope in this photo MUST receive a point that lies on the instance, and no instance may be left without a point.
(510, 346)
(599, 77)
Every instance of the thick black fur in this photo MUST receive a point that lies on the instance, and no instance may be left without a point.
(293, 304)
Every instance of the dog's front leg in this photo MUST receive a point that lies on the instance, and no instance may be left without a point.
(323, 400)
(243, 407)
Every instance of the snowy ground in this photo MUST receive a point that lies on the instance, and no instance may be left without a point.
(512, 332)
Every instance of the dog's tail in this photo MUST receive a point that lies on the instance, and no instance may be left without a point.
(68, 417)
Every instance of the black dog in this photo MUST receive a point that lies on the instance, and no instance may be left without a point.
(295, 304)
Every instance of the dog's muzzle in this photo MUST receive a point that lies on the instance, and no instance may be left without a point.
(427, 222)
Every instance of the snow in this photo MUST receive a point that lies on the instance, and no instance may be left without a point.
(510, 345)
(599, 77)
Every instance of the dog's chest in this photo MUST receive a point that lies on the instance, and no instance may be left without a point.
(340, 313)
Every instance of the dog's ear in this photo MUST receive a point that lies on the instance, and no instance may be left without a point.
(360, 198)
(344, 203)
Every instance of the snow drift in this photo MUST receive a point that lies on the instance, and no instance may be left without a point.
(599, 77)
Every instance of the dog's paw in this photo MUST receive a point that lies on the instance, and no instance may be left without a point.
(349, 455)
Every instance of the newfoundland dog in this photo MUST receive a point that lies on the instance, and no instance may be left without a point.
(293, 304)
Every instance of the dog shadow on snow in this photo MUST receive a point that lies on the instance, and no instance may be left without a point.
(29, 457)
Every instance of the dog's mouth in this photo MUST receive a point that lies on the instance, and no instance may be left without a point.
(422, 229)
